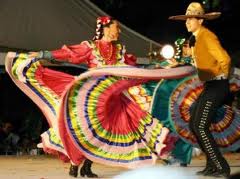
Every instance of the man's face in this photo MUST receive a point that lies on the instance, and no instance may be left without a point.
(112, 32)
(193, 24)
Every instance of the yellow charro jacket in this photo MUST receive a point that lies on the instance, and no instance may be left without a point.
(210, 58)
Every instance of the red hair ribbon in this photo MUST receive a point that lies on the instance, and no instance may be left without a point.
(104, 20)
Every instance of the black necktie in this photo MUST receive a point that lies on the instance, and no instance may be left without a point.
(192, 41)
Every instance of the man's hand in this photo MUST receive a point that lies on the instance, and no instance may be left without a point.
(172, 63)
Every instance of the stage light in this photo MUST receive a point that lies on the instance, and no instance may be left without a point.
(167, 51)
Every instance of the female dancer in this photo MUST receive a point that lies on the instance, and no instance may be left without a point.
(92, 116)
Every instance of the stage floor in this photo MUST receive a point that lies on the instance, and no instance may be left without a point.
(47, 167)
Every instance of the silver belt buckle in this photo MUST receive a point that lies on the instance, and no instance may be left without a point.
(220, 77)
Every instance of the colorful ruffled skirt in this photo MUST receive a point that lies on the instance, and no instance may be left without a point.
(171, 102)
(92, 115)
(175, 99)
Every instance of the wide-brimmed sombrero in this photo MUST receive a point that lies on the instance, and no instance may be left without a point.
(195, 10)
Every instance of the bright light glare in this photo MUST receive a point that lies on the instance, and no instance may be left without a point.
(167, 51)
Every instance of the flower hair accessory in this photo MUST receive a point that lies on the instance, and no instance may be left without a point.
(104, 20)
(179, 44)
(101, 22)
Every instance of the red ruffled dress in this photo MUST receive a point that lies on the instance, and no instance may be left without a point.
(92, 115)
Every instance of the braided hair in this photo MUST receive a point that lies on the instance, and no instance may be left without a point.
(102, 22)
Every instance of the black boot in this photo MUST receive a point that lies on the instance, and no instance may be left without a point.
(208, 169)
(219, 173)
(214, 170)
(86, 169)
(73, 171)
(221, 170)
